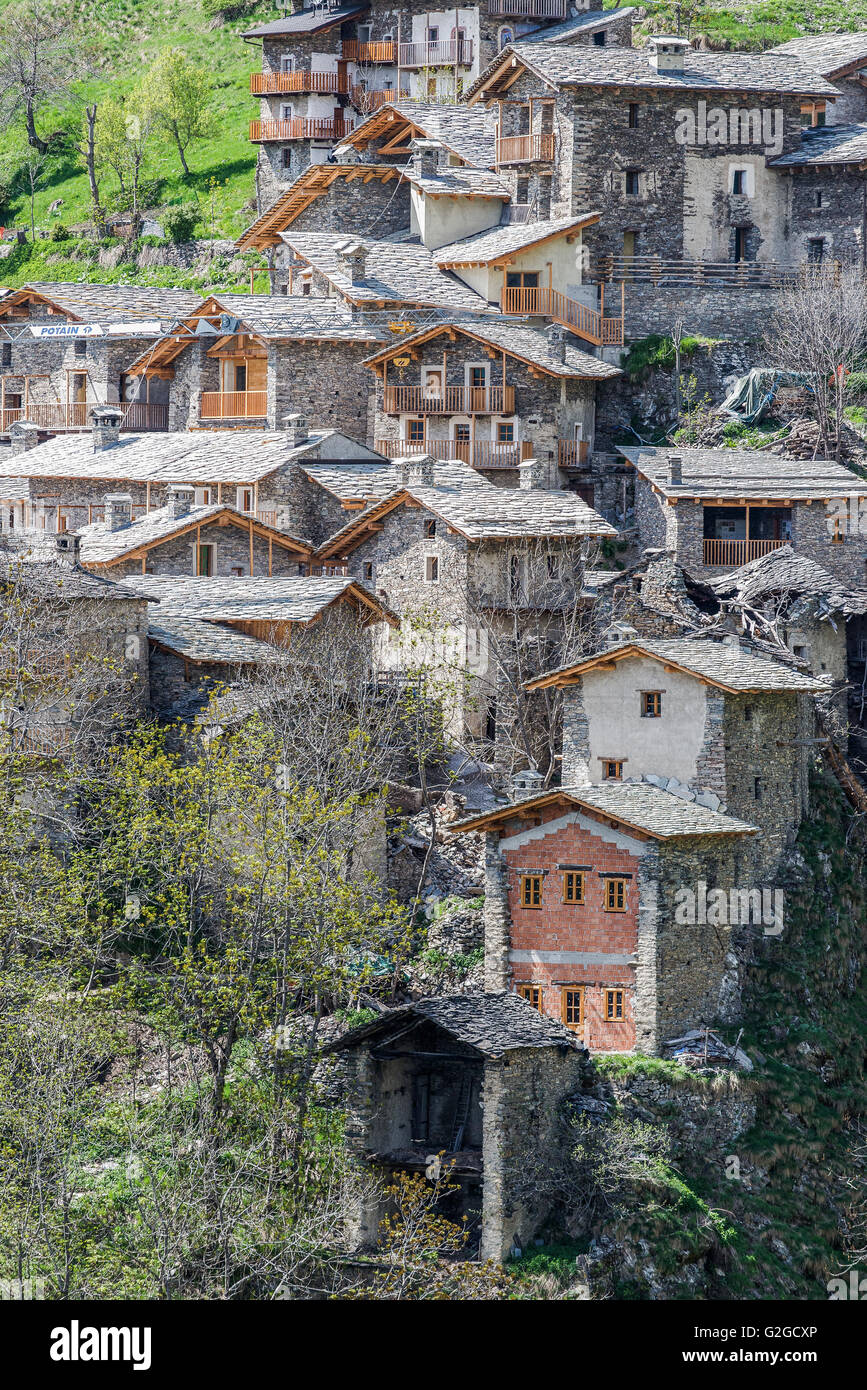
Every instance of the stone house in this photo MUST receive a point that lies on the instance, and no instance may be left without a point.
(191, 658)
(842, 60)
(720, 508)
(478, 1079)
(494, 393)
(827, 193)
(65, 348)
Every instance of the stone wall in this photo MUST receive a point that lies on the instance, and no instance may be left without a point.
(231, 555)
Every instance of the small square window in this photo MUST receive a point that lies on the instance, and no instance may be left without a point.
(430, 530)
(432, 570)
(612, 770)
(651, 704)
(633, 186)
(599, 39)
(415, 432)
(572, 1007)
(615, 894)
(613, 1003)
(573, 886)
(531, 890)
(532, 994)
(506, 433)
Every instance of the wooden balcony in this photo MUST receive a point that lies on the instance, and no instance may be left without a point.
(580, 318)
(525, 149)
(263, 84)
(449, 54)
(300, 128)
(455, 400)
(731, 554)
(367, 101)
(234, 405)
(138, 416)
(368, 52)
(572, 453)
(653, 270)
(529, 9)
(484, 453)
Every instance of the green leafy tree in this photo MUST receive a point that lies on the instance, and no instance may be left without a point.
(180, 97)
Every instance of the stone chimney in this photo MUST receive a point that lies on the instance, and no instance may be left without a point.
(352, 260)
(421, 470)
(675, 470)
(532, 474)
(118, 510)
(618, 634)
(426, 159)
(295, 426)
(180, 500)
(106, 426)
(667, 52)
(68, 547)
(732, 643)
(527, 782)
(24, 435)
(555, 334)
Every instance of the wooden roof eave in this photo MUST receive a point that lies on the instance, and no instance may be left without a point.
(224, 517)
(572, 673)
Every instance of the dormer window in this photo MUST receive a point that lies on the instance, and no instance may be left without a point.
(599, 38)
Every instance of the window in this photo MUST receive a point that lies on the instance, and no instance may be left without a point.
(477, 378)
(506, 37)
(286, 160)
(522, 280)
(615, 895)
(531, 890)
(204, 561)
(651, 704)
(433, 34)
(204, 496)
(748, 712)
(430, 530)
(81, 347)
(612, 770)
(462, 434)
(432, 570)
(633, 115)
(532, 994)
(245, 499)
(6, 359)
(573, 886)
(739, 181)
(633, 187)
(515, 577)
(757, 788)
(415, 431)
(506, 432)
(613, 1003)
(572, 1007)
(818, 197)
(599, 39)
(815, 250)
(367, 570)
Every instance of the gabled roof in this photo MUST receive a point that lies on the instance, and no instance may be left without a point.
(517, 339)
(728, 665)
(584, 23)
(49, 577)
(397, 271)
(469, 134)
(205, 642)
(498, 243)
(562, 65)
(244, 600)
(311, 184)
(829, 144)
(734, 474)
(104, 304)
(832, 55)
(460, 181)
(100, 546)
(784, 572)
(492, 1024)
(311, 20)
(632, 806)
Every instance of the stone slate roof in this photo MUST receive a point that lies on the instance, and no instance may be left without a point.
(461, 181)
(784, 572)
(242, 599)
(306, 21)
(197, 640)
(502, 241)
(396, 270)
(468, 133)
(195, 456)
(826, 53)
(99, 545)
(723, 664)
(493, 1024)
(519, 339)
(641, 805)
(52, 577)
(291, 316)
(588, 66)
(830, 144)
(116, 303)
(579, 24)
(748, 473)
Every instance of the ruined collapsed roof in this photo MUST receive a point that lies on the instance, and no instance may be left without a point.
(518, 338)
(637, 805)
(493, 1024)
(730, 664)
(116, 303)
(100, 546)
(241, 599)
(396, 271)
(461, 181)
(748, 473)
(196, 456)
(469, 133)
(502, 241)
(294, 316)
(782, 571)
(307, 21)
(830, 144)
(827, 54)
(579, 24)
(197, 640)
(585, 65)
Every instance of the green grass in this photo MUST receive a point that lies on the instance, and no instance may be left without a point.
(757, 25)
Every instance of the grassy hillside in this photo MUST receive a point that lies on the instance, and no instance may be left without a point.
(758, 24)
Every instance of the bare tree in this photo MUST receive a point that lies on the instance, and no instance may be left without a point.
(40, 60)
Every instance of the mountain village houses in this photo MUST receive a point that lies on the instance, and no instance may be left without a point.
(467, 216)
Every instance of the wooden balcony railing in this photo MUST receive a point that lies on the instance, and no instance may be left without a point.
(654, 270)
(484, 453)
(455, 400)
(383, 52)
(523, 149)
(529, 9)
(450, 53)
(731, 554)
(233, 405)
(300, 128)
(137, 416)
(572, 453)
(580, 318)
(366, 101)
(273, 83)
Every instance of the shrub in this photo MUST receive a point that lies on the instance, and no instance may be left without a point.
(59, 232)
(180, 223)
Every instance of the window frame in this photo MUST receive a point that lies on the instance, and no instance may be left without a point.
(613, 1017)
(525, 892)
(198, 548)
(431, 569)
(609, 900)
(581, 898)
(565, 991)
(612, 762)
(530, 986)
(647, 711)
